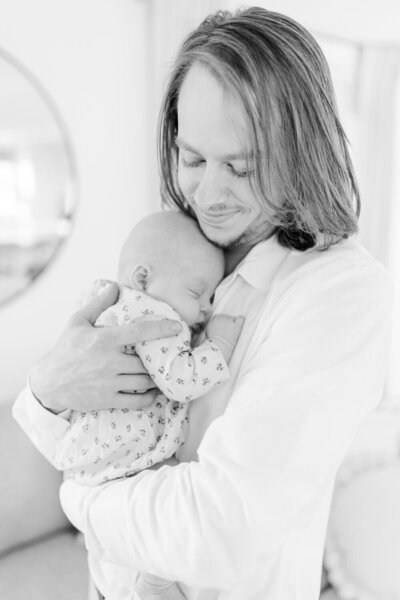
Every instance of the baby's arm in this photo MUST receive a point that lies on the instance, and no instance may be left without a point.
(183, 373)
(224, 331)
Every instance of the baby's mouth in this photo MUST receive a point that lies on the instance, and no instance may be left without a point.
(197, 328)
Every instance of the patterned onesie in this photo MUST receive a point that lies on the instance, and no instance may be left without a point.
(110, 443)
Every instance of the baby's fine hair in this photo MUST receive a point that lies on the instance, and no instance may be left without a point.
(166, 237)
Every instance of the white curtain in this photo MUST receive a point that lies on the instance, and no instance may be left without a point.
(378, 168)
(168, 22)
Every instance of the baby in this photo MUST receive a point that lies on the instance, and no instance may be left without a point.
(167, 269)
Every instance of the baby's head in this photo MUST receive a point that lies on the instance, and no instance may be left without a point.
(168, 257)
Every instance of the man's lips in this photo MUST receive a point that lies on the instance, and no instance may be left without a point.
(218, 216)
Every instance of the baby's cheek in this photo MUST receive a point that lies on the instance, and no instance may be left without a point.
(191, 313)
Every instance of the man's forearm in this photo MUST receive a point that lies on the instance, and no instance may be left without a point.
(40, 388)
(157, 527)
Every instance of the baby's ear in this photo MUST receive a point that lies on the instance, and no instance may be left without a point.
(140, 277)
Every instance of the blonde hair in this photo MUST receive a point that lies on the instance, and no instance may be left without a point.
(279, 73)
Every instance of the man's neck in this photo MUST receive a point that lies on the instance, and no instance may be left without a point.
(235, 254)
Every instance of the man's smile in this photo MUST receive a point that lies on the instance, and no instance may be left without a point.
(216, 216)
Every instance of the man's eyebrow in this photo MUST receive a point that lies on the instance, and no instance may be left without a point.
(182, 144)
(243, 155)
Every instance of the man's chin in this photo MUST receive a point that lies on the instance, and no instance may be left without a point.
(218, 238)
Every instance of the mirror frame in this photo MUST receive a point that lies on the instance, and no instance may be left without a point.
(71, 161)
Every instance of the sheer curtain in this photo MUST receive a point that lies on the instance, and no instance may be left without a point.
(168, 22)
(377, 157)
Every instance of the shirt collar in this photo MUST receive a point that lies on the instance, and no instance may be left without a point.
(260, 265)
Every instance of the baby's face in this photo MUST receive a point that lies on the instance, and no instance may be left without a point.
(187, 288)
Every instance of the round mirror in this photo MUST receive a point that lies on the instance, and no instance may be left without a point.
(37, 179)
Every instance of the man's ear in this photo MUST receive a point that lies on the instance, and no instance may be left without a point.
(140, 277)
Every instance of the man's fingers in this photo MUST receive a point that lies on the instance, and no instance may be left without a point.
(138, 382)
(128, 399)
(128, 364)
(143, 331)
(93, 309)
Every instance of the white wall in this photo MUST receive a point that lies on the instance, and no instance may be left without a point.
(89, 55)
(358, 20)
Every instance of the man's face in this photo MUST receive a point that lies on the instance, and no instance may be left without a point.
(213, 173)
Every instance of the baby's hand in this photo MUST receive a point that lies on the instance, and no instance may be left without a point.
(97, 288)
(224, 331)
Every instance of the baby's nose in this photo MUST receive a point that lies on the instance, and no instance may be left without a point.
(205, 310)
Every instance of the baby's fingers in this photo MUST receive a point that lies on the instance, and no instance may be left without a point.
(239, 322)
(88, 314)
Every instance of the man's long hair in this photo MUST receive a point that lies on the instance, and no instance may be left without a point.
(279, 74)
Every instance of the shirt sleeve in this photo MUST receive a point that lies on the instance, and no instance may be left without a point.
(44, 428)
(183, 373)
(266, 465)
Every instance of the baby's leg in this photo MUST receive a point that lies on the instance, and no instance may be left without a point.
(151, 587)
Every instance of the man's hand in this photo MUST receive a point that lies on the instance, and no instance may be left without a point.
(91, 367)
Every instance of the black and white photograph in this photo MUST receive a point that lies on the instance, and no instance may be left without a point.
(199, 300)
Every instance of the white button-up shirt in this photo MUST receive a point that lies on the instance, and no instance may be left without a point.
(243, 516)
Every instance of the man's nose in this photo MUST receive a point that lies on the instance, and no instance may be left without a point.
(210, 188)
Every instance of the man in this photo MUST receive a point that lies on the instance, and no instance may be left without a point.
(251, 144)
